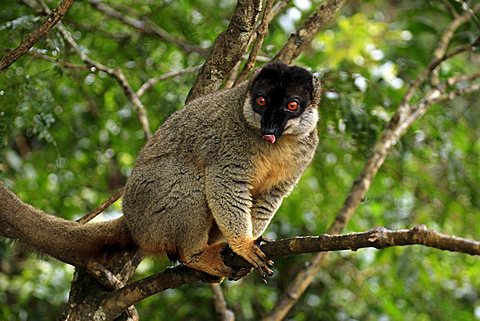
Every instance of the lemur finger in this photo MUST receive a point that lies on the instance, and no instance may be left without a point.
(263, 257)
(240, 273)
(260, 265)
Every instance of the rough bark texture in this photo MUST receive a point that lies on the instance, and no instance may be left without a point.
(227, 50)
(305, 34)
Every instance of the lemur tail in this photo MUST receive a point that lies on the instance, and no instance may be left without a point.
(68, 241)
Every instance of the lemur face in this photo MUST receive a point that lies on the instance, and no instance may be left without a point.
(280, 96)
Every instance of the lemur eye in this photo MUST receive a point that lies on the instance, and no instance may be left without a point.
(292, 105)
(261, 101)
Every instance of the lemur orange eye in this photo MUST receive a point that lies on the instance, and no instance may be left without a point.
(292, 105)
(261, 101)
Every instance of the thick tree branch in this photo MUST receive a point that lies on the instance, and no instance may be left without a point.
(261, 31)
(403, 118)
(53, 18)
(305, 34)
(379, 238)
(145, 26)
(227, 50)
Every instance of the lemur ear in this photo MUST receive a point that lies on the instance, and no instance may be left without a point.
(317, 91)
(250, 83)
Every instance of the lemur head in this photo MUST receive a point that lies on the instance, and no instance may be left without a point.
(282, 101)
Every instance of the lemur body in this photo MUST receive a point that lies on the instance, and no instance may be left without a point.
(207, 176)
(213, 174)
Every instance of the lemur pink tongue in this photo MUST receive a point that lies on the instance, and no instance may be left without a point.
(269, 138)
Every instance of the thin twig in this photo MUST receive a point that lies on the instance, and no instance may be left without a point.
(460, 78)
(450, 8)
(145, 26)
(116, 73)
(65, 64)
(220, 305)
(53, 18)
(279, 6)
(434, 64)
(230, 82)
(91, 215)
(458, 92)
(445, 40)
(434, 74)
(450, 31)
(152, 81)
(430, 70)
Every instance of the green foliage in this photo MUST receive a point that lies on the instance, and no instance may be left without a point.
(69, 138)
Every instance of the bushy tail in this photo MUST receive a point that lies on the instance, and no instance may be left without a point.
(68, 241)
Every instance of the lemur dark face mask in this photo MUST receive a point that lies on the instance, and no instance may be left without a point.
(280, 93)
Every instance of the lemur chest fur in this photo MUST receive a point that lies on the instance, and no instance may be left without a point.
(273, 165)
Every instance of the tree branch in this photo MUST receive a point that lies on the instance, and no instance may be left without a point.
(450, 8)
(116, 73)
(450, 31)
(403, 118)
(261, 31)
(91, 215)
(146, 27)
(460, 78)
(227, 50)
(221, 309)
(152, 81)
(65, 64)
(53, 18)
(279, 6)
(379, 238)
(440, 54)
(305, 33)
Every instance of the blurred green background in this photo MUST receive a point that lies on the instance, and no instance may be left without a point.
(69, 138)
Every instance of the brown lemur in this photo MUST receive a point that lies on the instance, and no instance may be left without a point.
(213, 174)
